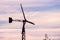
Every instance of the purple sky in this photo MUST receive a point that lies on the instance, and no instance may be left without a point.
(44, 13)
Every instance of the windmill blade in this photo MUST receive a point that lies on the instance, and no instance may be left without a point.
(23, 11)
(30, 22)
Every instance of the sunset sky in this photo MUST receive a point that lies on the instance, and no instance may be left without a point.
(44, 13)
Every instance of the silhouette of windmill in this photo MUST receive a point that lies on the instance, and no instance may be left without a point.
(46, 37)
(24, 22)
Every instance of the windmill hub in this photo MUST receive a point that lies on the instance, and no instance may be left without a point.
(24, 20)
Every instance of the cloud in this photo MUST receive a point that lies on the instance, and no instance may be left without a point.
(38, 34)
(41, 5)
(4, 18)
(35, 3)
(13, 6)
(9, 6)
(45, 19)
(2, 22)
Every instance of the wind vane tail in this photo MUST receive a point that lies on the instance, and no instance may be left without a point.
(23, 11)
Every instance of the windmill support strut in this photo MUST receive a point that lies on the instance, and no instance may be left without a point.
(23, 36)
(23, 30)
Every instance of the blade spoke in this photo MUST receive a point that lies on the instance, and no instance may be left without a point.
(22, 11)
(30, 22)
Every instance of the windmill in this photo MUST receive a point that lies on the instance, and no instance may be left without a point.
(24, 22)
(46, 37)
